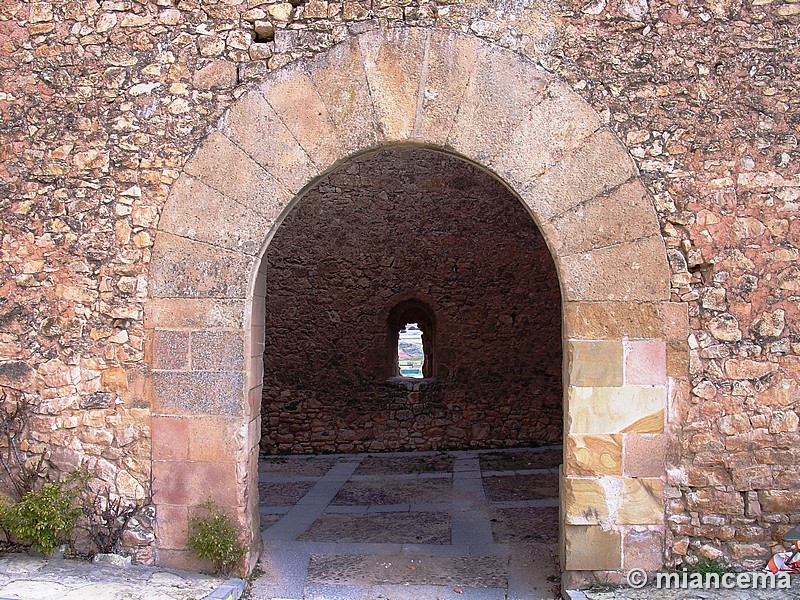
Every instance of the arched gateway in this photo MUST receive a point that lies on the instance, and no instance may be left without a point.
(459, 95)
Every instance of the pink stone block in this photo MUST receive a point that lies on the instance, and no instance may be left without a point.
(170, 438)
(191, 483)
(171, 525)
(645, 362)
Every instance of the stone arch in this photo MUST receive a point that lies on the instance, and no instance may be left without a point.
(460, 95)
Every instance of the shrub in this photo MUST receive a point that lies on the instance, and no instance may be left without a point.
(105, 517)
(214, 537)
(44, 518)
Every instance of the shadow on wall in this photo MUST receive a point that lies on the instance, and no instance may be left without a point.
(417, 232)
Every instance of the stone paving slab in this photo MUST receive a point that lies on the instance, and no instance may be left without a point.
(516, 459)
(283, 492)
(26, 577)
(402, 465)
(313, 466)
(521, 487)
(393, 492)
(525, 525)
(454, 571)
(393, 528)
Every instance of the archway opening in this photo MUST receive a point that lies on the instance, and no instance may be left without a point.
(448, 441)
(625, 343)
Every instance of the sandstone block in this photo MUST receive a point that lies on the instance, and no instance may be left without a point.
(393, 63)
(590, 548)
(187, 268)
(340, 80)
(613, 320)
(593, 455)
(678, 360)
(182, 559)
(615, 410)
(597, 166)
(553, 129)
(254, 126)
(172, 523)
(450, 61)
(585, 501)
(623, 215)
(642, 549)
(502, 90)
(211, 439)
(293, 96)
(595, 364)
(676, 321)
(642, 502)
(223, 166)
(198, 212)
(632, 271)
(193, 392)
(170, 438)
(190, 483)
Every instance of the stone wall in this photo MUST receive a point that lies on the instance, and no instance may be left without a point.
(103, 102)
(389, 227)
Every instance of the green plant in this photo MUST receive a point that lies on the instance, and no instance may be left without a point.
(44, 518)
(707, 565)
(213, 537)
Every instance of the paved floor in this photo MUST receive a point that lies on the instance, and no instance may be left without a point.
(422, 525)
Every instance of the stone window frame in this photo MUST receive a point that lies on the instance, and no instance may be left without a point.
(407, 311)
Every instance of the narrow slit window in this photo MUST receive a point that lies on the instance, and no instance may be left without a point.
(410, 351)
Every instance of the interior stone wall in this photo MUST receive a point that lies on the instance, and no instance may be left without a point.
(397, 225)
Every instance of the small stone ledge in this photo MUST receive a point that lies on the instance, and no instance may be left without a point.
(411, 384)
(232, 589)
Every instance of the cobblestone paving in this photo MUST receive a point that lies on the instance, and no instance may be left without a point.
(421, 525)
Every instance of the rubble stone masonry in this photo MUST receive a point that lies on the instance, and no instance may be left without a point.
(103, 103)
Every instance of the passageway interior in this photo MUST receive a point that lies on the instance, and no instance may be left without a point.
(411, 411)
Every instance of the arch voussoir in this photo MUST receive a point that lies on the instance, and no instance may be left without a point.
(222, 165)
(502, 89)
(393, 63)
(597, 165)
(199, 212)
(550, 131)
(258, 130)
(451, 59)
(293, 97)
(340, 81)
(621, 215)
